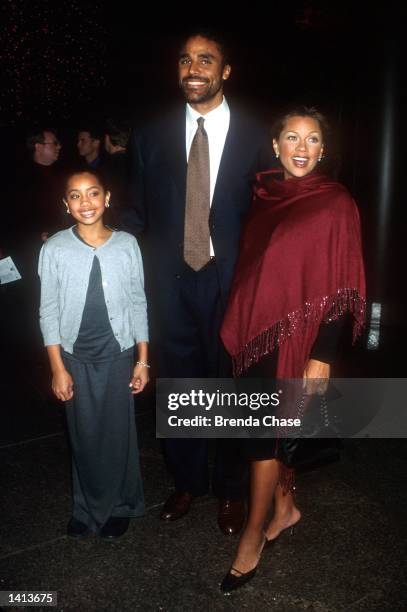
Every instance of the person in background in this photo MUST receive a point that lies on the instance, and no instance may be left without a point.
(40, 180)
(32, 214)
(116, 169)
(299, 273)
(89, 143)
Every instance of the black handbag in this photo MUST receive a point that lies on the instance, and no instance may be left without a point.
(319, 441)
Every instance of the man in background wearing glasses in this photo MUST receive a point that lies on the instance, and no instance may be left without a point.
(32, 210)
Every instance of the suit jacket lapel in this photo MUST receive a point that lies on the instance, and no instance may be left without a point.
(176, 152)
(227, 162)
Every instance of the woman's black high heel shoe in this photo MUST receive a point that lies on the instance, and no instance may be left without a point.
(290, 530)
(232, 582)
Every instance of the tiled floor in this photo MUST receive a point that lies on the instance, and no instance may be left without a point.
(348, 553)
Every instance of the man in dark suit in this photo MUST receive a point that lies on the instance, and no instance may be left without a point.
(89, 145)
(187, 298)
(115, 169)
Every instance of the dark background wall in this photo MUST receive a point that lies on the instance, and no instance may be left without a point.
(62, 62)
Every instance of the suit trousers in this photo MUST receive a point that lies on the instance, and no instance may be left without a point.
(188, 346)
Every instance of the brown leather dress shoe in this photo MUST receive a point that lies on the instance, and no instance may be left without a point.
(176, 506)
(231, 515)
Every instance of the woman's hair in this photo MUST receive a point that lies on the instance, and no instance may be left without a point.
(301, 111)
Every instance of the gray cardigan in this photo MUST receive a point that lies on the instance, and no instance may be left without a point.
(64, 268)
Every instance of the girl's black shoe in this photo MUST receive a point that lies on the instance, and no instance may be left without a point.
(76, 529)
(115, 527)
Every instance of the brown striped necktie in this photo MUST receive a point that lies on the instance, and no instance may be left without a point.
(196, 231)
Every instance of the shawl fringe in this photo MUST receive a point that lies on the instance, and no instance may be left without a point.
(325, 309)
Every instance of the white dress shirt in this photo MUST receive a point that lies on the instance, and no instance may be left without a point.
(216, 126)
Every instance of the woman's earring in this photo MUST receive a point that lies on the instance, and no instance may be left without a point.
(107, 204)
(277, 154)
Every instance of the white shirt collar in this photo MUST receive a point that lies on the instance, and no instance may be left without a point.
(220, 113)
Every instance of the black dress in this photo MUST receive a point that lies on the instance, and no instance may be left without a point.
(283, 449)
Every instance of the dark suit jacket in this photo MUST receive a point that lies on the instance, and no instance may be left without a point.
(158, 155)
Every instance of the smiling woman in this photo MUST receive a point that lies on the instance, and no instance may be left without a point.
(300, 146)
(299, 273)
(299, 139)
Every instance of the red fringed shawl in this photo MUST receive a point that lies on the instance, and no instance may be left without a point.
(300, 264)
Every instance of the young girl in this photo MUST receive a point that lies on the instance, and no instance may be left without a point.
(92, 313)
